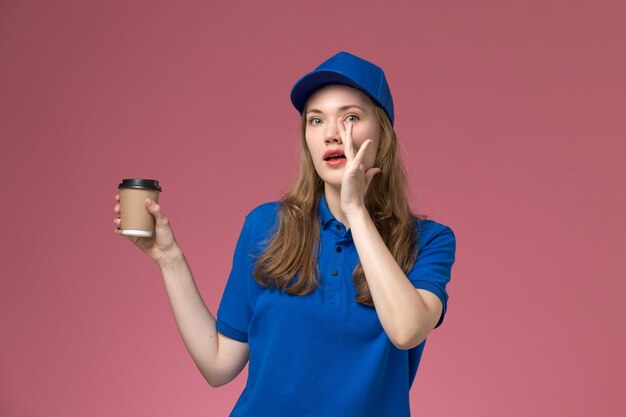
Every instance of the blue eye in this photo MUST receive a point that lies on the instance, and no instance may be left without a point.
(313, 121)
(352, 118)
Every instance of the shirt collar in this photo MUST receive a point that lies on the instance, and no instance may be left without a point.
(324, 212)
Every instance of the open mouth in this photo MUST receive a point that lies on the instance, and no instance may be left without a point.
(334, 157)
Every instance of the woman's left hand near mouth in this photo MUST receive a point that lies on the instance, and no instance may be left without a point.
(356, 178)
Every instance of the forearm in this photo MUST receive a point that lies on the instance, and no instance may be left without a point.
(195, 322)
(401, 310)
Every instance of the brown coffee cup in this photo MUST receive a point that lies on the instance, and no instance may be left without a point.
(135, 218)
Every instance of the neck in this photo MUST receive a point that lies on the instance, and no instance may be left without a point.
(333, 199)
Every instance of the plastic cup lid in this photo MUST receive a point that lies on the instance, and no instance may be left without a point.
(140, 183)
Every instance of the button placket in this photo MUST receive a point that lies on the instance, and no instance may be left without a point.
(332, 294)
(336, 263)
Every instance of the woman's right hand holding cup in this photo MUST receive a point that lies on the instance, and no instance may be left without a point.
(162, 244)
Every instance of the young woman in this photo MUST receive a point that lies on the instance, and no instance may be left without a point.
(334, 288)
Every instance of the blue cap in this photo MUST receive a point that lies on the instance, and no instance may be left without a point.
(347, 69)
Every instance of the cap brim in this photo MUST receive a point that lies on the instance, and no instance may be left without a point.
(307, 85)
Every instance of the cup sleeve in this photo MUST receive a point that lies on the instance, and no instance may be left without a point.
(234, 312)
(433, 266)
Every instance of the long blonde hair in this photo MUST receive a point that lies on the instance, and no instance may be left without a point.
(291, 256)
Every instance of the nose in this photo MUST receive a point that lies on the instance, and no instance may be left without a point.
(332, 133)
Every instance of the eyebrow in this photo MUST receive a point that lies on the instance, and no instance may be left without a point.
(342, 108)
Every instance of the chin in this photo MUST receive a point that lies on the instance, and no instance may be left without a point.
(332, 178)
(333, 182)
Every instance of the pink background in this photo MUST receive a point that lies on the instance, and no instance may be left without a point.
(511, 116)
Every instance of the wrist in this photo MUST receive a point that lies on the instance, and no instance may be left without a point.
(357, 214)
(171, 257)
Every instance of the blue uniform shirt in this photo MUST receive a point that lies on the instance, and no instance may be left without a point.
(323, 354)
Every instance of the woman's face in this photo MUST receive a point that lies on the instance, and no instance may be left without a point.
(323, 110)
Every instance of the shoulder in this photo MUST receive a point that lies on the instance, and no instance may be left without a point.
(263, 213)
(262, 219)
(428, 230)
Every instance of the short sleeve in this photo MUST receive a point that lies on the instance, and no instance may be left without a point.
(432, 269)
(234, 312)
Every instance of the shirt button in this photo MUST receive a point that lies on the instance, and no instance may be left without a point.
(334, 272)
(338, 227)
(338, 248)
